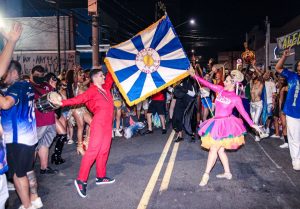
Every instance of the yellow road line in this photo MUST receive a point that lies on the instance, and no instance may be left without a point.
(151, 184)
(166, 180)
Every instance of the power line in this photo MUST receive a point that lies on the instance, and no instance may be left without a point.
(83, 18)
(63, 28)
(78, 16)
(129, 11)
(121, 14)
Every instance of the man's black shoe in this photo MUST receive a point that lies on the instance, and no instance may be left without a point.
(104, 180)
(48, 170)
(178, 139)
(149, 132)
(81, 188)
(164, 131)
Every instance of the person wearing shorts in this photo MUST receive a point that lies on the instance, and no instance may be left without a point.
(271, 95)
(45, 122)
(157, 105)
(206, 102)
(118, 106)
(145, 105)
(11, 39)
(19, 133)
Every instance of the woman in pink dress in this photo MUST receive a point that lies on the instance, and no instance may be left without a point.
(224, 131)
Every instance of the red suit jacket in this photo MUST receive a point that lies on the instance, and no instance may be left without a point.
(95, 100)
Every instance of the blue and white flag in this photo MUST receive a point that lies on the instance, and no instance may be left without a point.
(149, 62)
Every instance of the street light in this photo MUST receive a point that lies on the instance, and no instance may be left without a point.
(191, 21)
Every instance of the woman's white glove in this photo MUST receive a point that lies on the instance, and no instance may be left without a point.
(191, 93)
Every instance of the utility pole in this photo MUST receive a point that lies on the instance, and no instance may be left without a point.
(58, 36)
(267, 44)
(71, 28)
(93, 8)
(95, 40)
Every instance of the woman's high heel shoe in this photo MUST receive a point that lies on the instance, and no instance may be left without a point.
(57, 160)
(56, 156)
(204, 179)
(80, 149)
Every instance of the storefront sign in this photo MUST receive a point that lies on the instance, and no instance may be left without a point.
(290, 40)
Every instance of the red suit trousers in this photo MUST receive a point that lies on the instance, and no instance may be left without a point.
(99, 147)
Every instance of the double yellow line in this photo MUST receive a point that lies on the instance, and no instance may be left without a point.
(166, 179)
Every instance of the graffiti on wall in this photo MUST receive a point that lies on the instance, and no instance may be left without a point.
(49, 61)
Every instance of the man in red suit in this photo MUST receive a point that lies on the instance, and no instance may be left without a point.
(99, 101)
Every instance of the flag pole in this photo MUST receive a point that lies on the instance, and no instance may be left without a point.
(211, 112)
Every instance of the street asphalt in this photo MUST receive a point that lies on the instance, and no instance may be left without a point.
(262, 177)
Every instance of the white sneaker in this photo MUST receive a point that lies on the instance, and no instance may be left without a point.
(268, 130)
(112, 134)
(224, 176)
(257, 139)
(37, 203)
(296, 165)
(118, 134)
(10, 186)
(31, 207)
(275, 136)
(282, 137)
(284, 145)
(70, 141)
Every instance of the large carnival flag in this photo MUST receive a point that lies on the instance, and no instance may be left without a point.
(149, 62)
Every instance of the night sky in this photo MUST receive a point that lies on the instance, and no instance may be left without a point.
(220, 24)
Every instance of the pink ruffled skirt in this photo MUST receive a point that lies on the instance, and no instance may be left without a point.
(227, 132)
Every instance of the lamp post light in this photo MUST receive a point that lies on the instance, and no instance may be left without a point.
(191, 21)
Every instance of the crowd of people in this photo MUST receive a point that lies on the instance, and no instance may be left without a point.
(92, 112)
